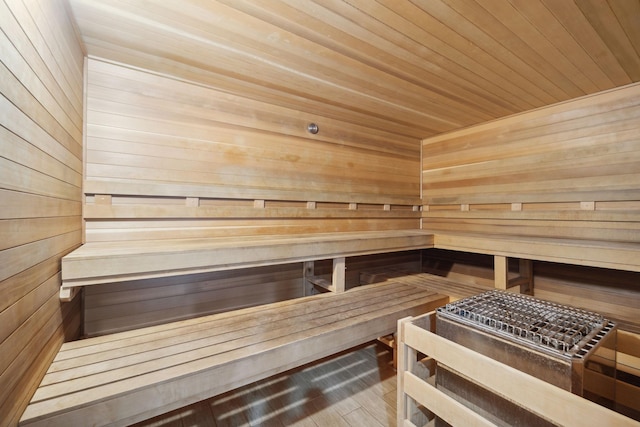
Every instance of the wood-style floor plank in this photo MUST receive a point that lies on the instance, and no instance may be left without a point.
(351, 389)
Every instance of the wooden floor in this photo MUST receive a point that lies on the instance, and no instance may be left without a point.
(356, 388)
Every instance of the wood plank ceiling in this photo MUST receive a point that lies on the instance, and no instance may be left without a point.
(416, 68)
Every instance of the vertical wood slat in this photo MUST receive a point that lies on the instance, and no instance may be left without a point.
(41, 122)
(338, 277)
(501, 272)
(308, 271)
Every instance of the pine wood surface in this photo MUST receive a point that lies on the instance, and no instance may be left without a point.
(197, 115)
(41, 81)
(183, 362)
(569, 171)
(129, 305)
(170, 159)
(115, 307)
(612, 293)
(596, 253)
(204, 136)
(129, 190)
(349, 389)
(437, 66)
(553, 403)
(102, 262)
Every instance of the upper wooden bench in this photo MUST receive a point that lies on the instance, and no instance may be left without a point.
(106, 262)
(126, 377)
(593, 253)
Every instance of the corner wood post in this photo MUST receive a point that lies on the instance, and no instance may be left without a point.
(407, 357)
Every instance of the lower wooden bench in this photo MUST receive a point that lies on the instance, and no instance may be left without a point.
(452, 289)
(127, 377)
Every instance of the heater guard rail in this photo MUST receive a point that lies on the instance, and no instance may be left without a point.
(555, 404)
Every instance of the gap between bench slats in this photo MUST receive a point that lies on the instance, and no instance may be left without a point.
(225, 348)
(215, 336)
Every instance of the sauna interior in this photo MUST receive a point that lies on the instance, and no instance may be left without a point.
(164, 161)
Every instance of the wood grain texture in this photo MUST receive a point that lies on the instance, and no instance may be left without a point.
(155, 142)
(571, 169)
(414, 68)
(323, 393)
(123, 306)
(169, 363)
(612, 293)
(544, 399)
(40, 178)
(128, 305)
(102, 262)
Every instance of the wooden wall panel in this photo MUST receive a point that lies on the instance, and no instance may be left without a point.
(612, 293)
(571, 170)
(41, 81)
(129, 305)
(168, 158)
(417, 68)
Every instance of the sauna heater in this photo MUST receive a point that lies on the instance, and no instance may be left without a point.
(571, 348)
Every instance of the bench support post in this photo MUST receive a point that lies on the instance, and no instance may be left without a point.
(500, 272)
(408, 412)
(337, 284)
(521, 284)
(307, 273)
(338, 278)
(405, 359)
(525, 281)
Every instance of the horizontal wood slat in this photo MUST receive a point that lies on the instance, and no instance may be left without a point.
(148, 211)
(120, 306)
(408, 68)
(570, 171)
(173, 189)
(167, 231)
(611, 293)
(165, 367)
(595, 253)
(95, 263)
(623, 232)
(553, 403)
(41, 85)
(153, 140)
